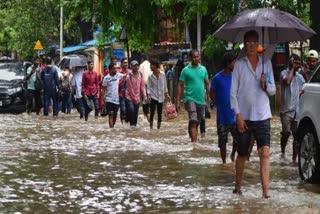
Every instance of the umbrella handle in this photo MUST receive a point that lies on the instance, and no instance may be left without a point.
(263, 51)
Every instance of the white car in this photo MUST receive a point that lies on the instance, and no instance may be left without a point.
(309, 130)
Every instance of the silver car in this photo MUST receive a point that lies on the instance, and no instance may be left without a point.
(309, 130)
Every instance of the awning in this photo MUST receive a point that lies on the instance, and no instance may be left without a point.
(83, 46)
(79, 47)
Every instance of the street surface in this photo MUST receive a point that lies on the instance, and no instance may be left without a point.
(67, 165)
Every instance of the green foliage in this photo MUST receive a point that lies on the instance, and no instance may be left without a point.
(23, 22)
(213, 47)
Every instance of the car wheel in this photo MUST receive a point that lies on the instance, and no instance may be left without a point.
(308, 155)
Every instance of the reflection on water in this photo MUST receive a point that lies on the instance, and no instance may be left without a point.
(66, 165)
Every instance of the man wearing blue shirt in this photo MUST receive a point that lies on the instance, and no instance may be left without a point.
(220, 93)
(170, 79)
(252, 82)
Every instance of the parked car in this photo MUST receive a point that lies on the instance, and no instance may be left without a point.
(12, 87)
(309, 130)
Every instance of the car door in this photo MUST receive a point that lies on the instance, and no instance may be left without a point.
(311, 98)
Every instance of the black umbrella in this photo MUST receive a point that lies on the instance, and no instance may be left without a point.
(274, 25)
(73, 61)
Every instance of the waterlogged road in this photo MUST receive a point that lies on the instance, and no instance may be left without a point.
(66, 165)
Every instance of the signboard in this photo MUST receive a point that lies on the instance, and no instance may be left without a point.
(38, 46)
(118, 53)
(280, 48)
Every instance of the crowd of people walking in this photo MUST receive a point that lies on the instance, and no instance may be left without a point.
(240, 90)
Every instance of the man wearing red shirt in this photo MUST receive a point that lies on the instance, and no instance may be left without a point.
(90, 86)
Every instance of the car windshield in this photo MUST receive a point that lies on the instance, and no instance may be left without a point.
(11, 72)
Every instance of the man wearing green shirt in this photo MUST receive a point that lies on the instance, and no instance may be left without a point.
(195, 84)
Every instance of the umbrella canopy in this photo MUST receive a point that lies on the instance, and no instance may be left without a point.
(73, 61)
(278, 26)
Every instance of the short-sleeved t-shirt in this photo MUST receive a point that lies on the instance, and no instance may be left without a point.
(290, 93)
(32, 79)
(112, 85)
(194, 87)
(221, 85)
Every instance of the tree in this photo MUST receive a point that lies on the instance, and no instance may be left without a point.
(315, 23)
(30, 20)
(26, 21)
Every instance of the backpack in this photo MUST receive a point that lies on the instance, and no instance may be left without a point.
(65, 84)
(49, 79)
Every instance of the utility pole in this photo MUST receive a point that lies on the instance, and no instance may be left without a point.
(198, 29)
(61, 30)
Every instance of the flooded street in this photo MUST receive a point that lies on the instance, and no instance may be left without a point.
(67, 165)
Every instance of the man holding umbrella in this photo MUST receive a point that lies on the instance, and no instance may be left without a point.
(252, 78)
(252, 82)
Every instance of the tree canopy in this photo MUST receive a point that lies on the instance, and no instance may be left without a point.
(23, 22)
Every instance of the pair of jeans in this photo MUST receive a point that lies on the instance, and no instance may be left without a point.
(132, 112)
(122, 101)
(36, 96)
(66, 102)
(153, 105)
(83, 107)
(80, 107)
(55, 103)
(94, 99)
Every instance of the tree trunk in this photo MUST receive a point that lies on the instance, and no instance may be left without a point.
(315, 24)
(86, 30)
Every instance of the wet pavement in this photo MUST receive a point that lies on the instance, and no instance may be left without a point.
(67, 165)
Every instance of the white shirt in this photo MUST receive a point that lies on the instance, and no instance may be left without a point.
(157, 87)
(247, 96)
(145, 70)
(112, 88)
(290, 93)
(76, 83)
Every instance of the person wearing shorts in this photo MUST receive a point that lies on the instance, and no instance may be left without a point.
(252, 84)
(220, 94)
(110, 91)
(112, 111)
(195, 83)
(291, 85)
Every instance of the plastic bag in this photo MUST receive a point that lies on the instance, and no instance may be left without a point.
(170, 111)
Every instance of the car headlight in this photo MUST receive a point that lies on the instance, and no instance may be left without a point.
(14, 90)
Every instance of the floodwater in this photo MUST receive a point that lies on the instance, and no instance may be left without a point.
(67, 165)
